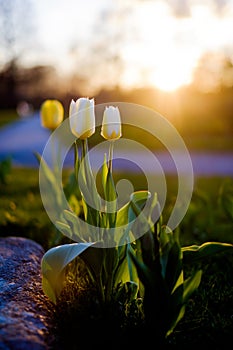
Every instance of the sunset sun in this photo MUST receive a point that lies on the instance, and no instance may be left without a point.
(168, 47)
(158, 44)
(158, 59)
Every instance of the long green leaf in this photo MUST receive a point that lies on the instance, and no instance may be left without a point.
(49, 181)
(179, 298)
(64, 228)
(111, 198)
(122, 273)
(53, 264)
(74, 223)
(122, 215)
(127, 214)
(138, 200)
(191, 284)
(144, 273)
(173, 267)
(176, 308)
(131, 266)
(130, 210)
(195, 253)
(104, 174)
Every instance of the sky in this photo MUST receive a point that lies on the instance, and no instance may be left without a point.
(154, 42)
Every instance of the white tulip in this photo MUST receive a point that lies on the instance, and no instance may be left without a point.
(82, 117)
(111, 125)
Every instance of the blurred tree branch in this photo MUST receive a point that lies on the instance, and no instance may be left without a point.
(15, 32)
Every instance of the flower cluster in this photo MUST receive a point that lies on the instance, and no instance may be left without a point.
(149, 267)
(112, 267)
(82, 118)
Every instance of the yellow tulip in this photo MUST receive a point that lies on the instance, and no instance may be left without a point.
(51, 114)
(82, 117)
(111, 125)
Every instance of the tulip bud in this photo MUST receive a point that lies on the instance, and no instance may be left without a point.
(111, 125)
(51, 114)
(82, 117)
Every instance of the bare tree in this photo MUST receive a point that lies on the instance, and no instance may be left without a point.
(100, 59)
(16, 27)
(15, 33)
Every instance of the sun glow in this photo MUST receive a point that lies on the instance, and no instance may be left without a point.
(141, 43)
(164, 55)
(171, 72)
(168, 80)
(168, 72)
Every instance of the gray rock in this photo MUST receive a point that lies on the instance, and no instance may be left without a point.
(25, 312)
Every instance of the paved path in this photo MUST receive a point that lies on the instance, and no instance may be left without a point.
(24, 137)
(21, 138)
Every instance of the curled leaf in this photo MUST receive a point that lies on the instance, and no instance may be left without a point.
(53, 266)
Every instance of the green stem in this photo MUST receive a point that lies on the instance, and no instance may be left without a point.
(91, 190)
(84, 148)
(110, 155)
(87, 166)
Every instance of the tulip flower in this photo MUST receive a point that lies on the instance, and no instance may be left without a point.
(51, 114)
(111, 125)
(82, 117)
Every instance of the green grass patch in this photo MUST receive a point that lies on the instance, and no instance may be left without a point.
(209, 142)
(209, 216)
(208, 316)
(21, 209)
(8, 116)
(210, 213)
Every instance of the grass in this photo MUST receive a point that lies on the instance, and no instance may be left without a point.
(208, 318)
(209, 142)
(209, 216)
(8, 116)
(21, 208)
(207, 321)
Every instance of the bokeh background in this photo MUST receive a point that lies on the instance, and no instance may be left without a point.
(175, 56)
